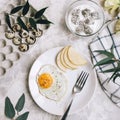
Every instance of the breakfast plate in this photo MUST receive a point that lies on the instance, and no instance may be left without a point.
(58, 107)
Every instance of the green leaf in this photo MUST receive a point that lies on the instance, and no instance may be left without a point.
(44, 21)
(113, 75)
(104, 61)
(22, 24)
(16, 9)
(112, 47)
(40, 12)
(9, 109)
(20, 104)
(7, 19)
(25, 8)
(32, 23)
(109, 70)
(23, 116)
(109, 54)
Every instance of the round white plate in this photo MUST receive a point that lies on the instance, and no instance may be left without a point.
(58, 107)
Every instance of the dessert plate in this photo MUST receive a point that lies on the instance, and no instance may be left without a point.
(58, 107)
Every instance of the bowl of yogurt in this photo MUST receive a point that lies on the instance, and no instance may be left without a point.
(84, 18)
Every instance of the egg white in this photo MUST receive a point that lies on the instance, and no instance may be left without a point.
(59, 86)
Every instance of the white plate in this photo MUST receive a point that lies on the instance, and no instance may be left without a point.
(58, 108)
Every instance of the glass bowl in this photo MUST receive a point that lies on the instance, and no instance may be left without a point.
(84, 18)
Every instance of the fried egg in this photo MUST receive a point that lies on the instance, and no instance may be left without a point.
(51, 83)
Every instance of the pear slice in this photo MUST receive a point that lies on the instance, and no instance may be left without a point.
(75, 57)
(59, 64)
(67, 61)
(62, 58)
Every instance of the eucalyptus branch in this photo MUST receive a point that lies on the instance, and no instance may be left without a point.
(37, 18)
(10, 110)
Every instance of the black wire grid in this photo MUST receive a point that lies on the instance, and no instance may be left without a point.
(104, 41)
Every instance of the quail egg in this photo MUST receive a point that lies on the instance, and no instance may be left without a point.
(30, 40)
(9, 34)
(16, 27)
(23, 47)
(16, 40)
(24, 34)
(38, 33)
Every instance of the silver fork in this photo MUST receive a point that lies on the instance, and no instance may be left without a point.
(76, 89)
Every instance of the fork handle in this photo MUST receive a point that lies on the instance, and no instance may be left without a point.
(67, 111)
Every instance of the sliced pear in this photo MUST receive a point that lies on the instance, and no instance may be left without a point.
(75, 57)
(67, 61)
(59, 64)
(62, 58)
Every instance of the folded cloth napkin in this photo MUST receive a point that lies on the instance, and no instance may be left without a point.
(104, 41)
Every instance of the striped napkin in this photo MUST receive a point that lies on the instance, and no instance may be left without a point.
(104, 41)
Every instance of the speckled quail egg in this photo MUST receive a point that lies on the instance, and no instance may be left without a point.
(38, 33)
(16, 40)
(9, 34)
(23, 47)
(30, 40)
(16, 27)
(24, 34)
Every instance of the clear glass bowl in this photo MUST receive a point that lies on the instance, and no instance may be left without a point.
(82, 5)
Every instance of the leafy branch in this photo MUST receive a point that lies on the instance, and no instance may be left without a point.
(10, 110)
(37, 18)
(109, 59)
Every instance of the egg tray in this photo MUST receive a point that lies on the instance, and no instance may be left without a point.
(10, 49)
(7, 56)
(22, 42)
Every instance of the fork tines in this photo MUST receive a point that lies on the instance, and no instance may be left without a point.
(82, 79)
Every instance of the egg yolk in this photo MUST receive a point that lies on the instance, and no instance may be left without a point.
(45, 80)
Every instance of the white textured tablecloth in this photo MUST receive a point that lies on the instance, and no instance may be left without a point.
(14, 83)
